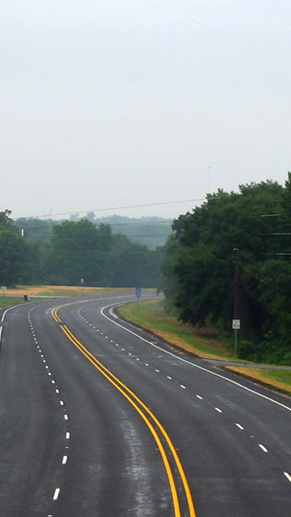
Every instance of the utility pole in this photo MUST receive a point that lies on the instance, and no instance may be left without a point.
(236, 321)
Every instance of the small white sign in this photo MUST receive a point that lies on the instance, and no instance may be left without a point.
(236, 324)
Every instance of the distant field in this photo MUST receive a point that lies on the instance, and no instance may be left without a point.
(13, 296)
(61, 290)
(150, 315)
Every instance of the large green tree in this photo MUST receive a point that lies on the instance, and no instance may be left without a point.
(228, 250)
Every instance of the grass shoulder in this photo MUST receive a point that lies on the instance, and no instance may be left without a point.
(203, 343)
(152, 316)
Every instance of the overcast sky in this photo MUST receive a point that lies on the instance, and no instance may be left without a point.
(114, 103)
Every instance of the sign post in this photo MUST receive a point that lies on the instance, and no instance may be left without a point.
(138, 294)
(236, 327)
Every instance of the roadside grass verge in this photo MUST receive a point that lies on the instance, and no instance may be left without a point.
(152, 316)
(200, 342)
(280, 379)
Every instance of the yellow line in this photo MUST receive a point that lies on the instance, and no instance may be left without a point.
(94, 361)
(117, 383)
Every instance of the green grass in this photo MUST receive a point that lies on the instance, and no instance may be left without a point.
(279, 379)
(7, 301)
(152, 316)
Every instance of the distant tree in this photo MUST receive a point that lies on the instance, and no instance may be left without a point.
(18, 259)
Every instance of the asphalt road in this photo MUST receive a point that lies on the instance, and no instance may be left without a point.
(98, 418)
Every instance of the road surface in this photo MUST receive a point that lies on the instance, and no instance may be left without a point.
(98, 418)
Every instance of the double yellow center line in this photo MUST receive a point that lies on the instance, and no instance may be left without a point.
(148, 417)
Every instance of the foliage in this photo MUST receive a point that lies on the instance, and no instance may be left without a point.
(228, 250)
(17, 257)
(80, 250)
(72, 253)
(150, 231)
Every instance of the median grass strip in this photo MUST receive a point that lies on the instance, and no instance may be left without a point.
(152, 316)
(6, 301)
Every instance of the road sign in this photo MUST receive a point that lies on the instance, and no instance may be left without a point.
(236, 324)
(138, 291)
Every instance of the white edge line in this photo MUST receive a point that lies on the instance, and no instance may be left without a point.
(287, 476)
(189, 362)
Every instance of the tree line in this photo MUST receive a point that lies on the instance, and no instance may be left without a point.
(230, 259)
(150, 231)
(76, 252)
(227, 259)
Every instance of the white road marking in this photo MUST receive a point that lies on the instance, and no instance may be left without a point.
(61, 402)
(287, 476)
(217, 409)
(182, 386)
(56, 494)
(264, 449)
(168, 377)
(240, 427)
(66, 417)
(64, 460)
(156, 370)
(199, 397)
(57, 391)
(68, 436)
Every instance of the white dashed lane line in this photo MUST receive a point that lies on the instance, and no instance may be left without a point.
(56, 494)
(264, 449)
(64, 457)
(200, 397)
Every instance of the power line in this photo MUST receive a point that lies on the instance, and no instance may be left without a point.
(119, 208)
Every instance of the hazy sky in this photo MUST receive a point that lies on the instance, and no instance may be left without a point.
(113, 103)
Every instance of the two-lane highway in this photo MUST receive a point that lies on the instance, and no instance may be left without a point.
(98, 418)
